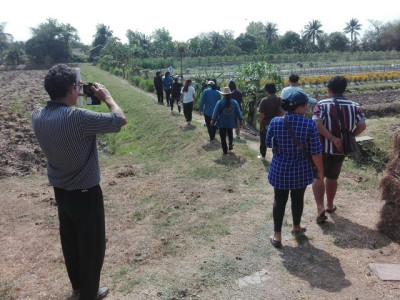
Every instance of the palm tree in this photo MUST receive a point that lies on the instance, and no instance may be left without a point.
(353, 27)
(312, 30)
(271, 32)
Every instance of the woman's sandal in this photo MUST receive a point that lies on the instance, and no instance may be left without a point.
(299, 231)
(275, 243)
(331, 210)
(321, 218)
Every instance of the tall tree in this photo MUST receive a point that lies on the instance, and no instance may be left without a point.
(353, 27)
(291, 42)
(139, 39)
(102, 35)
(372, 36)
(51, 42)
(271, 32)
(337, 41)
(390, 39)
(246, 42)
(257, 30)
(5, 40)
(162, 44)
(312, 31)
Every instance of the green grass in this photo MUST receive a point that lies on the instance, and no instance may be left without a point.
(150, 134)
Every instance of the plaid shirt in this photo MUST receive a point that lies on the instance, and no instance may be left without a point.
(289, 168)
(325, 110)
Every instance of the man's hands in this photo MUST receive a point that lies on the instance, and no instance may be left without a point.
(101, 92)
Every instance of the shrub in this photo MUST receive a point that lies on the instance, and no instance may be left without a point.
(147, 85)
(135, 80)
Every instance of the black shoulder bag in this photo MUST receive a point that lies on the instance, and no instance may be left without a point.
(301, 148)
(349, 140)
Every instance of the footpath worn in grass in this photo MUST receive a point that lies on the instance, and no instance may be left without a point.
(184, 221)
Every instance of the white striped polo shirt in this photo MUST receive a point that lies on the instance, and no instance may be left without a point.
(67, 136)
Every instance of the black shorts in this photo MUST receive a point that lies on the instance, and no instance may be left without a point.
(332, 165)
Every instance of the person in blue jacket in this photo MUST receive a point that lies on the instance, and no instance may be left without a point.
(167, 84)
(225, 112)
(209, 99)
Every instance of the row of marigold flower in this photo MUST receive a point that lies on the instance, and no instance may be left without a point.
(361, 77)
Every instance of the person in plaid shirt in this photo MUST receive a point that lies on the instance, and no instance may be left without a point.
(328, 124)
(290, 170)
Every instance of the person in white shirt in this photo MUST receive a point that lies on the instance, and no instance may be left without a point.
(188, 98)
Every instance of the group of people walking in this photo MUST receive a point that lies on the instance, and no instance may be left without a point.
(305, 151)
(221, 109)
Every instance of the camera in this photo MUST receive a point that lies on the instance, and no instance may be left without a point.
(91, 99)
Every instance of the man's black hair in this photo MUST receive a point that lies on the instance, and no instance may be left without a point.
(337, 85)
(270, 87)
(294, 78)
(58, 80)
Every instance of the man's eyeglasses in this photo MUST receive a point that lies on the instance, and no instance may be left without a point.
(78, 86)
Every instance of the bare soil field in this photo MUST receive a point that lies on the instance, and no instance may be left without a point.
(330, 262)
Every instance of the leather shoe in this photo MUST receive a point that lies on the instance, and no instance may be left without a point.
(102, 292)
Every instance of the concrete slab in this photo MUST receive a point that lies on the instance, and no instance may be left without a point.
(389, 272)
(365, 138)
(254, 279)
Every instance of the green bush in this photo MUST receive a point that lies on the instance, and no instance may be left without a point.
(135, 80)
(147, 85)
(117, 72)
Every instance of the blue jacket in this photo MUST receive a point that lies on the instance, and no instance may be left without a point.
(167, 83)
(226, 116)
(209, 99)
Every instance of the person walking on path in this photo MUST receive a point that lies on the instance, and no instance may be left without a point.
(224, 116)
(328, 124)
(270, 107)
(209, 99)
(67, 137)
(291, 171)
(167, 84)
(294, 86)
(237, 95)
(188, 98)
(158, 85)
(176, 94)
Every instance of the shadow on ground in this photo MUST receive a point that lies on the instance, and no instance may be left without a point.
(349, 234)
(314, 265)
(231, 159)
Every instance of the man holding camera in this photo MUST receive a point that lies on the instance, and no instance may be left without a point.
(67, 137)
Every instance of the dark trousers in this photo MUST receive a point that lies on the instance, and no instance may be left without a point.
(280, 199)
(82, 232)
(210, 128)
(263, 148)
(175, 99)
(223, 132)
(160, 96)
(168, 96)
(187, 111)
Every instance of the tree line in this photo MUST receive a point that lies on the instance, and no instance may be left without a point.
(53, 42)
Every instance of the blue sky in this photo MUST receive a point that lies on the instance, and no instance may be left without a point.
(185, 20)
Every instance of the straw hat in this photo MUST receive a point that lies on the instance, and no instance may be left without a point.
(226, 91)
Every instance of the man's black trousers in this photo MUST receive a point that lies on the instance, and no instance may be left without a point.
(82, 232)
